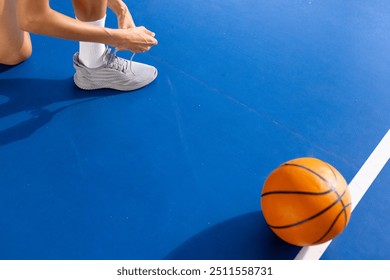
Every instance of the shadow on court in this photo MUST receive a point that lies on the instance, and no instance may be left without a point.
(28, 104)
(246, 237)
(5, 68)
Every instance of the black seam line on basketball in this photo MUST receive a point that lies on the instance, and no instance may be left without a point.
(331, 187)
(333, 223)
(311, 171)
(310, 218)
(335, 191)
(297, 192)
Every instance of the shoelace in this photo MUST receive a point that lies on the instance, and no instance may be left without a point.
(118, 63)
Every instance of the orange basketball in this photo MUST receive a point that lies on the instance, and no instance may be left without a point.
(306, 201)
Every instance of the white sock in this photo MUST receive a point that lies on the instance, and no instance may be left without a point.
(91, 54)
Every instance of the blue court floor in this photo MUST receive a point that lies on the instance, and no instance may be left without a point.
(175, 170)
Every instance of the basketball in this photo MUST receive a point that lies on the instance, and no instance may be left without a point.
(306, 201)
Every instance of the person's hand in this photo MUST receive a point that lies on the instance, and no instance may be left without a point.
(136, 39)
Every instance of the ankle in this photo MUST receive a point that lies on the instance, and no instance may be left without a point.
(91, 54)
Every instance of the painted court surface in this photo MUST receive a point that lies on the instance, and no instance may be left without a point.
(175, 170)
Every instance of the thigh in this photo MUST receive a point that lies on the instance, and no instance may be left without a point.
(15, 43)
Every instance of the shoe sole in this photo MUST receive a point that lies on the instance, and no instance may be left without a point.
(94, 86)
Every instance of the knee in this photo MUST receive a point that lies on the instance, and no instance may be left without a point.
(24, 54)
(16, 57)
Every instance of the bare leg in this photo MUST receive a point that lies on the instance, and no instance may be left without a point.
(89, 10)
(15, 44)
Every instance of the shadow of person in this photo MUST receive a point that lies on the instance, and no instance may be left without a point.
(246, 237)
(28, 104)
(5, 68)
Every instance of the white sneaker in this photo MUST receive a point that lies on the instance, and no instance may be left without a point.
(116, 73)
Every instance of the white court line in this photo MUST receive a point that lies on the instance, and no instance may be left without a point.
(358, 187)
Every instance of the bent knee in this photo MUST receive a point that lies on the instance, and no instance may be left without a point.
(14, 58)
